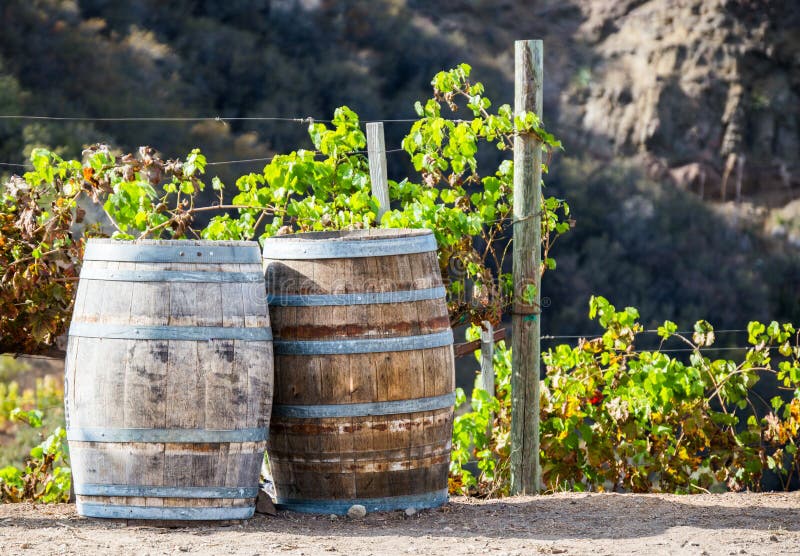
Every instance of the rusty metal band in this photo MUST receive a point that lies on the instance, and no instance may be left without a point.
(93, 489)
(365, 298)
(173, 436)
(109, 275)
(295, 248)
(363, 409)
(174, 252)
(115, 511)
(197, 333)
(374, 345)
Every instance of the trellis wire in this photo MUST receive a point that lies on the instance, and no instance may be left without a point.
(671, 350)
(303, 120)
(649, 331)
(221, 162)
(307, 119)
(221, 119)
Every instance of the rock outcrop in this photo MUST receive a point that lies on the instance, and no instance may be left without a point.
(707, 93)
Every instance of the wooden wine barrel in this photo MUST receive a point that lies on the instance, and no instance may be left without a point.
(169, 379)
(364, 371)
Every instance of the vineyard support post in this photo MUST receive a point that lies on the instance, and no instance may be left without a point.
(526, 349)
(487, 358)
(487, 380)
(376, 153)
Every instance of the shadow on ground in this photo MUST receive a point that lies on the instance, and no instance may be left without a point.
(544, 518)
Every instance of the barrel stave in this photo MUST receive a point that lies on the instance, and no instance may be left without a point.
(439, 370)
(361, 321)
(355, 275)
(364, 377)
(151, 306)
(374, 455)
(233, 312)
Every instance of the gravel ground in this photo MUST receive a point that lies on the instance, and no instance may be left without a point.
(565, 523)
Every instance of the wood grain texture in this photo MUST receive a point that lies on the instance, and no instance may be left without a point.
(526, 315)
(363, 456)
(376, 151)
(379, 455)
(213, 385)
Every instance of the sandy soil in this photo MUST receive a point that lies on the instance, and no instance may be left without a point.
(594, 524)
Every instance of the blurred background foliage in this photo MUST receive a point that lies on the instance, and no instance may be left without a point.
(27, 384)
(640, 239)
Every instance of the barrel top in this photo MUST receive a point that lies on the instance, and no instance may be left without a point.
(351, 243)
(370, 234)
(171, 242)
(172, 251)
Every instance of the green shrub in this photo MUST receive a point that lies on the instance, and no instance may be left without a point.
(616, 418)
(46, 476)
(47, 397)
(328, 188)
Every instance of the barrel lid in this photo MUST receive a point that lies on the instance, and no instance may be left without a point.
(349, 244)
(172, 251)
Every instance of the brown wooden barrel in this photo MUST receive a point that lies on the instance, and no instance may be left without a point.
(168, 383)
(364, 371)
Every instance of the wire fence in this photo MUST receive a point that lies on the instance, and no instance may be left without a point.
(220, 119)
(59, 356)
(649, 331)
(549, 337)
(265, 159)
(308, 120)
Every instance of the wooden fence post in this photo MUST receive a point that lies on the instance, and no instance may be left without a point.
(486, 381)
(525, 335)
(376, 153)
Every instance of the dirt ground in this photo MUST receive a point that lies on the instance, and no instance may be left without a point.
(568, 523)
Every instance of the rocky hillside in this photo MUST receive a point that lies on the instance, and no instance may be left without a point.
(700, 96)
(704, 93)
(707, 91)
(660, 103)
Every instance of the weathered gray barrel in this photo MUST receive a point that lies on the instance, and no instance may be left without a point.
(364, 373)
(168, 382)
